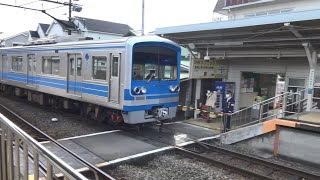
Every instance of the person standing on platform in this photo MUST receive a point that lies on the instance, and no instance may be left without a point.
(227, 111)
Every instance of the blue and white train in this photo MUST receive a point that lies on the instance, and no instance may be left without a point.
(132, 80)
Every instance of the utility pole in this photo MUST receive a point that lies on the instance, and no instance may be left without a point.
(70, 5)
(142, 28)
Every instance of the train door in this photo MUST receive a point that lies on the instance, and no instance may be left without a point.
(31, 69)
(3, 66)
(74, 85)
(114, 79)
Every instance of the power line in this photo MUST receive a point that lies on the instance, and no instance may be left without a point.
(55, 7)
(29, 3)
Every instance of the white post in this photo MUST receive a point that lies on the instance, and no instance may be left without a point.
(310, 89)
(142, 28)
(197, 96)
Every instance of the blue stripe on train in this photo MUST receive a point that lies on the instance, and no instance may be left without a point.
(87, 88)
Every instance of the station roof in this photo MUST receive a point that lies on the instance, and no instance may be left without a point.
(273, 35)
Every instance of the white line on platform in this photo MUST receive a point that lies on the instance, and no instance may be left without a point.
(82, 136)
(123, 159)
(88, 135)
(134, 156)
(202, 139)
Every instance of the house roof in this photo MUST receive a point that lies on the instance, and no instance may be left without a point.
(67, 25)
(221, 4)
(44, 27)
(261, 36)
(104, 26)
(25, 33)
(34, 34)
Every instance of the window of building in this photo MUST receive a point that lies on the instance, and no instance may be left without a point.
(235, 2)
(51, 65)
(272, 12)
(17, 62)
(99, 67)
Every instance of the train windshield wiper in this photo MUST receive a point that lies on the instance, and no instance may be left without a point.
(151, 77)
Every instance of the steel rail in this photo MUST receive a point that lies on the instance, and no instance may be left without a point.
(235, 169)
(248, 158)
(97, 172)
(260, 161)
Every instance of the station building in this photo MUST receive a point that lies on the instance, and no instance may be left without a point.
(263, 55)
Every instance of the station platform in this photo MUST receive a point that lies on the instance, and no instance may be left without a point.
(310, 117)
(214, 124)
(101, 148)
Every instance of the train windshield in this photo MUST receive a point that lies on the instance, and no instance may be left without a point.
(154, 63)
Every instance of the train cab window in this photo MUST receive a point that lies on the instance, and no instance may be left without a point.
(51, 65)
(154, 63)
(17, 62)
(99, 67)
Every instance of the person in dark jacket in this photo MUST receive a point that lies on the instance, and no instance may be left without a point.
(227, 111)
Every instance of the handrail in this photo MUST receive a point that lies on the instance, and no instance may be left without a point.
(67, 170)
(283, 94)
(95, 169)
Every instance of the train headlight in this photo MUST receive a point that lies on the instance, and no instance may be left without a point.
(143, 90)
(172, 88)
(137, 90)
(177, 88)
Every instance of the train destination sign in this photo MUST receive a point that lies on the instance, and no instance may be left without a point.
(208, 69)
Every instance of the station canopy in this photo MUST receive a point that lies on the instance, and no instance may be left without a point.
(273, 36)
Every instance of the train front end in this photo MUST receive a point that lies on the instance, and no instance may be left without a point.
(153, 92)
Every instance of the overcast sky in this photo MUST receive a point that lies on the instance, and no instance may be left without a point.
(158, 13)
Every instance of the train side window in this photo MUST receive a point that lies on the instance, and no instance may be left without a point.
(17, 63)
(99, 67)
(51, 65)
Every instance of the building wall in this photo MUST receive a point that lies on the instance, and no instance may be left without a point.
(40, 32)
(21, 39)
(56, 30)
(301, 5)
(292, 68)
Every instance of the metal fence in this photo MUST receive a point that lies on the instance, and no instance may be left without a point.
(289, 104)
(20, 155)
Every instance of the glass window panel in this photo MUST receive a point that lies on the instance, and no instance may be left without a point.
(71, 61)
(79, 66)
(55, 65)
(296, 82)
(99, 67)
(51, 65)
(17, 63)
(154, 63)
(115, 64)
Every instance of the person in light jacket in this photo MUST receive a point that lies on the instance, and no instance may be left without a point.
(227, 111)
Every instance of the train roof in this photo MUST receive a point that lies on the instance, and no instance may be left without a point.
(121, 40)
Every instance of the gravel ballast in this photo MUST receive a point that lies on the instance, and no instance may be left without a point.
(67, 124)
(171, 167)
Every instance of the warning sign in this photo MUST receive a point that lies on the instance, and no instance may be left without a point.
(208, 69)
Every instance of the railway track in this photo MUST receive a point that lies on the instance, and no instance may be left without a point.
(243, 164)
(37, 134)
(33, 131)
